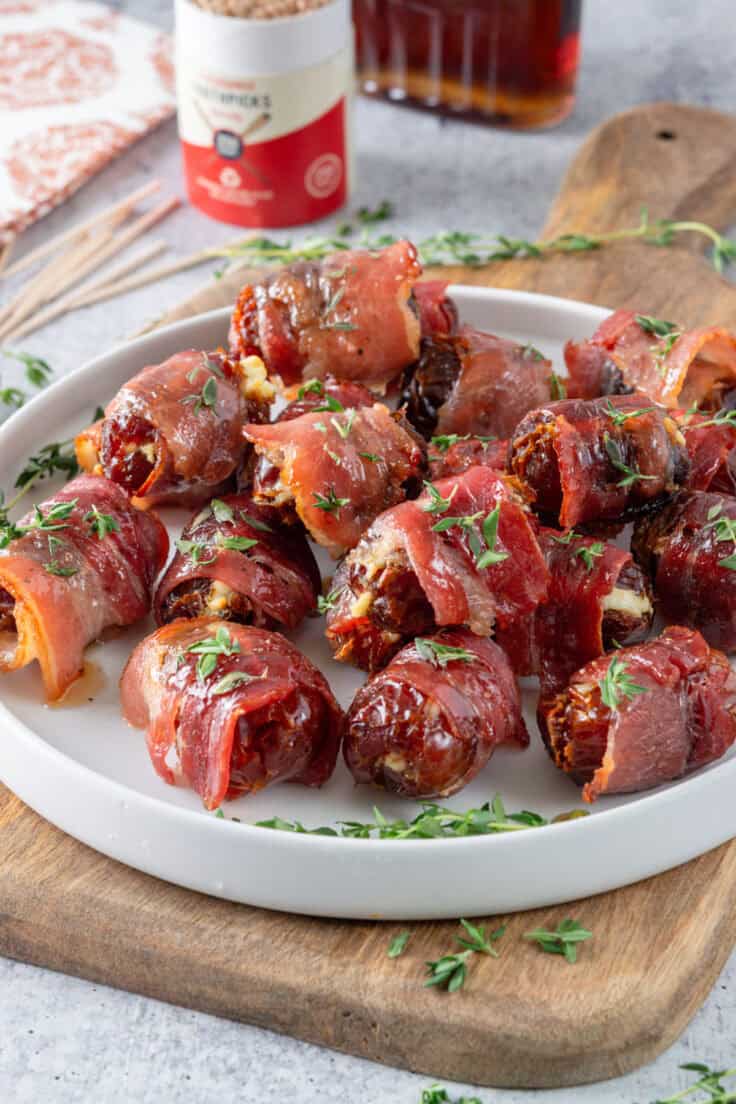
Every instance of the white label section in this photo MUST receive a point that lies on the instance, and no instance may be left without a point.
(255, 109)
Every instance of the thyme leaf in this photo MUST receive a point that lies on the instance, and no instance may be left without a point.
(563, 940)
(617, 683)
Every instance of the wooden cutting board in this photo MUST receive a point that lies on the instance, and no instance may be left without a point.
(526, 1019)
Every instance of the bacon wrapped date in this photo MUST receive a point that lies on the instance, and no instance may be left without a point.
(348, 315)
(598, 599)
(598, 460)
(173, 433)
(337, 469)
(673, 366)
(237, 561)
(230, 709)
(711, 445)
(437, 312)
(430, 721)
(452, 454)
(83, 561)
(463, 554)
(474, 383)
(689, 549)
(328, 394)
(642, 716)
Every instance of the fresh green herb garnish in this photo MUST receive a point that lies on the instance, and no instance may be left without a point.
(231, 681)
(724, 530)
(398, 944)
(437, 1095)
(209, 650)
(53, 566)
(445, 441)
(326, 602)
(207, 397)
(658, 327)
(344, 430)
(710, 1082)
(12, 396)
(434, 822)
(330, 404)
(221, 511)
(330, 503)
(437, 504)
(450, 971)
(722, 418)
(57, 457)
(340, 325)
(531, 352)
(235, 544)
(384, 210)
(490, 531)
(255, 523)
(630, 475)
(195, 550)
(618, 417)
(563, 940)
(333, 456)
(588, 553)
(101, 524)
(312, 387)
(557, 389)
(617, 683)
(571, 535)
(439, 655)
(370, 456)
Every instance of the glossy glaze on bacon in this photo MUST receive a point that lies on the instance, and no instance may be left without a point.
(712, 451)
(61, 586)
(682, 715)
(689, 549)
(318, 393)
(271, 581)
(423, 727)
(598, 599)
(452, 454)
(173, 433)
(437, 312)
(337, 471)
(679, 368)
(348, 315)
(474, 382)
(406, 578)
(584, 465)
(264, 714)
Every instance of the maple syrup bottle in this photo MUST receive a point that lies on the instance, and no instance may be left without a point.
(509, 63)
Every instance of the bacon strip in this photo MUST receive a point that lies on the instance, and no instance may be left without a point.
(682, 716)
(348, 315)
(598, 599)
(474, 383)
(174, 432)
(424, 729)
(687, 548)
(598, 460)
(337, 471)
(271, 584)
(263, 714)
(712, 451)
(60, 587)
(677, 369)
(452, 457)
(437, 311)
(406, 578)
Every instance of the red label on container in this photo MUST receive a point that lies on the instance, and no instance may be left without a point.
(295, 178)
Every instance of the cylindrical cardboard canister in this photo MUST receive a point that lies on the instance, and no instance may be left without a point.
(264, 109)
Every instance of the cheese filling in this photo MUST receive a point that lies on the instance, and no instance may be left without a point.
(622, 600)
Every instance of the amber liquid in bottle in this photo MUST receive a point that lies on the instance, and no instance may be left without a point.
(509, 63)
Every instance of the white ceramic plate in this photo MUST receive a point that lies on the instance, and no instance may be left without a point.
(80, 766)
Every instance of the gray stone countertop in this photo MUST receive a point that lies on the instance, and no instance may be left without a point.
(64, 1040)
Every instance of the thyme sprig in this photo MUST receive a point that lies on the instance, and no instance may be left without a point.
(209, 649)
(398, 944)
(618, 683)
(330, 503)
(618, 417)
(434, 822)
(615, 455)
(439, 655)
(474, 249)
(710, 1082)
(563, 940)
(450, 971)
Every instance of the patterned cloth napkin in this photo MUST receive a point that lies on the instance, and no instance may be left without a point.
(78, 84)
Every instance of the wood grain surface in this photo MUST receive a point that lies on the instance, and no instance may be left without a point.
(525, 1019)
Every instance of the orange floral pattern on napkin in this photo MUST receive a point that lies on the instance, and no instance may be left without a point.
(78, 84)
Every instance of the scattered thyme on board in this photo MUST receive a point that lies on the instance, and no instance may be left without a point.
(471, 248)
(37, 372)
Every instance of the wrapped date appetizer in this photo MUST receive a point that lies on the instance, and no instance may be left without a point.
(642, 716)
(689, 549)
(673, 366)
(598, 599)
(229, 709)
(327, 394)
(451, 454)
(711, 445)
(174, 432)
(82, 561)
(474, 382)
(349, 315)
(436, 310)
(598, 460)
(337, 469)
(235, 560)
(430, 721)
(463, 554)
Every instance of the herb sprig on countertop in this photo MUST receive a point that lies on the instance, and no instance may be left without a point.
(434, 822)
(456, 247)
(450, 971)
(37, 372)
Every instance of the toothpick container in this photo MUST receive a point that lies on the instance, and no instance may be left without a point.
(264, 110)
